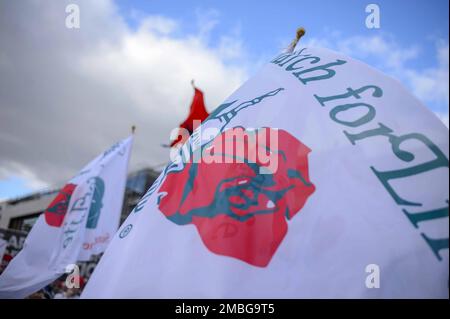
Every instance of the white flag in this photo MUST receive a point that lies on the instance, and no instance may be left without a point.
(3, 244)
(340, 189)
(78, 223)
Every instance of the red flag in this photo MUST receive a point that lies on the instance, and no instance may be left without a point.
(197, 112)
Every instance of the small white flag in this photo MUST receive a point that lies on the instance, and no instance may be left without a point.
(77, 224)
(319, 177)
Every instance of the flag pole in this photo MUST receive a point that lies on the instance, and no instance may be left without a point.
(299, 34)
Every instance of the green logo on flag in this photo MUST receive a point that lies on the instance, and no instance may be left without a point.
(96, 203)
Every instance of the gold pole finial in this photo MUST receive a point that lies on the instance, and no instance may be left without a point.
(299, 34)
(133, 129)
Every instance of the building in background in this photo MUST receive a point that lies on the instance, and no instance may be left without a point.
(137, 184)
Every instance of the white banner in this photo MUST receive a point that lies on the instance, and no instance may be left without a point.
(348, 199)
(78, 223)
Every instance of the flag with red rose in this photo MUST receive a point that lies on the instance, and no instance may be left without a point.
(78, 223)
(319, 177)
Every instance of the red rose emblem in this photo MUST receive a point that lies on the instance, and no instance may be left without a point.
(238, 200)
(54, 214)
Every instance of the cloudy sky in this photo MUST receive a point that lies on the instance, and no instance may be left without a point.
(67, 94)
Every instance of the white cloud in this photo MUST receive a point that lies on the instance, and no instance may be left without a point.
(430, 85)
(207, 20)
(158, 24)
(68, 94)
(391, 55)
(30, 179)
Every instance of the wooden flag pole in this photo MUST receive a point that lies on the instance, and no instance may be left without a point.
(299, 34)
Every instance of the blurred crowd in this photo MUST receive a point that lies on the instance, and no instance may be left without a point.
(59, 289)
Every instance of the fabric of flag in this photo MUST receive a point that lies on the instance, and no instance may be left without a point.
(197, 112)
(3, 244)
(341, 190)
(78, 223)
